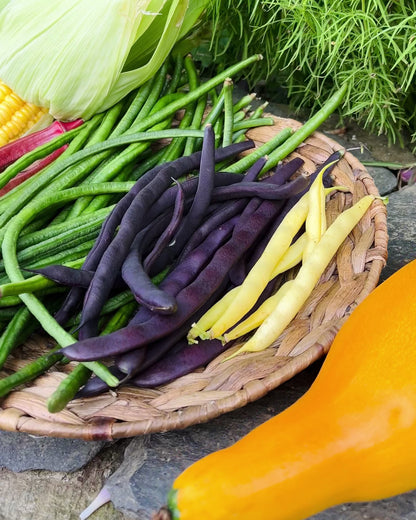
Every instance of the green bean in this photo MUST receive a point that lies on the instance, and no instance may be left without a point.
(13, 301)
(9, 301)
(52, 246)
(176, 147)
(107, 124)
(68, 255)
(239, 116)
(248, 160)
(195, 94)
(228, 113)
(30, 371)
(77, 160)
(79, 140)
(190, 68)
(69, 386)
(100, 202)
(111, 305)
(158, 83)
(244, 102)
(54, 230)
(176, 75)
(306, 130)
(216, 111)
(134, 108)
(18, 329)
(258, 112)
(253, 123)
(199, 112)
(7, 313)
(148, 164)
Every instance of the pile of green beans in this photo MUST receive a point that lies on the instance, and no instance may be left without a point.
(55, 216)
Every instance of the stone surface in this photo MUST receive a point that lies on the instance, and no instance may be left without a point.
(45, 452)
(57, 495)
(401, 222)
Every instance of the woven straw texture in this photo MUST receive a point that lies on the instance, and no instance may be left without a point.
(224, 386)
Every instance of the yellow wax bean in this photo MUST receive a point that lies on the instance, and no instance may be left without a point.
(292, 256)
(306, 278)
(261, 272)
(315, 224)
(255, 319)
(200, 328)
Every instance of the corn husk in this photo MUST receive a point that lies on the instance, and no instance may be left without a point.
(73, 56)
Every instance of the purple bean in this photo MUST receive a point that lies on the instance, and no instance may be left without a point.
(133, 361)
(115, 254)
(70, 276)
(133, 271)
(139, 359)
(267, 191)
(169, 232)
(222, 215)
(177, 364)
(208, 283)
(285, 171)
(189, 187)
(185, 165)
(216, 220)
(188, 269)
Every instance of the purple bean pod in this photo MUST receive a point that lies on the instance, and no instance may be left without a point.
(168, 234)
(209, 282)
(262, 190)
(176, 364)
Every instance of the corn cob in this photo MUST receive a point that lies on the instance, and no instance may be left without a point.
(16, 116)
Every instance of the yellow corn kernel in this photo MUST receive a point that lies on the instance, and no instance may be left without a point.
(16, 116)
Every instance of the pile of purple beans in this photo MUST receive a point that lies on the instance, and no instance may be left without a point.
(203, 232)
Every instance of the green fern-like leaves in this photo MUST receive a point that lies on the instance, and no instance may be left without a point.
(314, 46)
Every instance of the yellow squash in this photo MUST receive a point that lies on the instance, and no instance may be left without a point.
(351, 437)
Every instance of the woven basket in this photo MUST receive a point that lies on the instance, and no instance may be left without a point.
(224, 386)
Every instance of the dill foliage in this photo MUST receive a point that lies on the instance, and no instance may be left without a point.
(314, 46)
